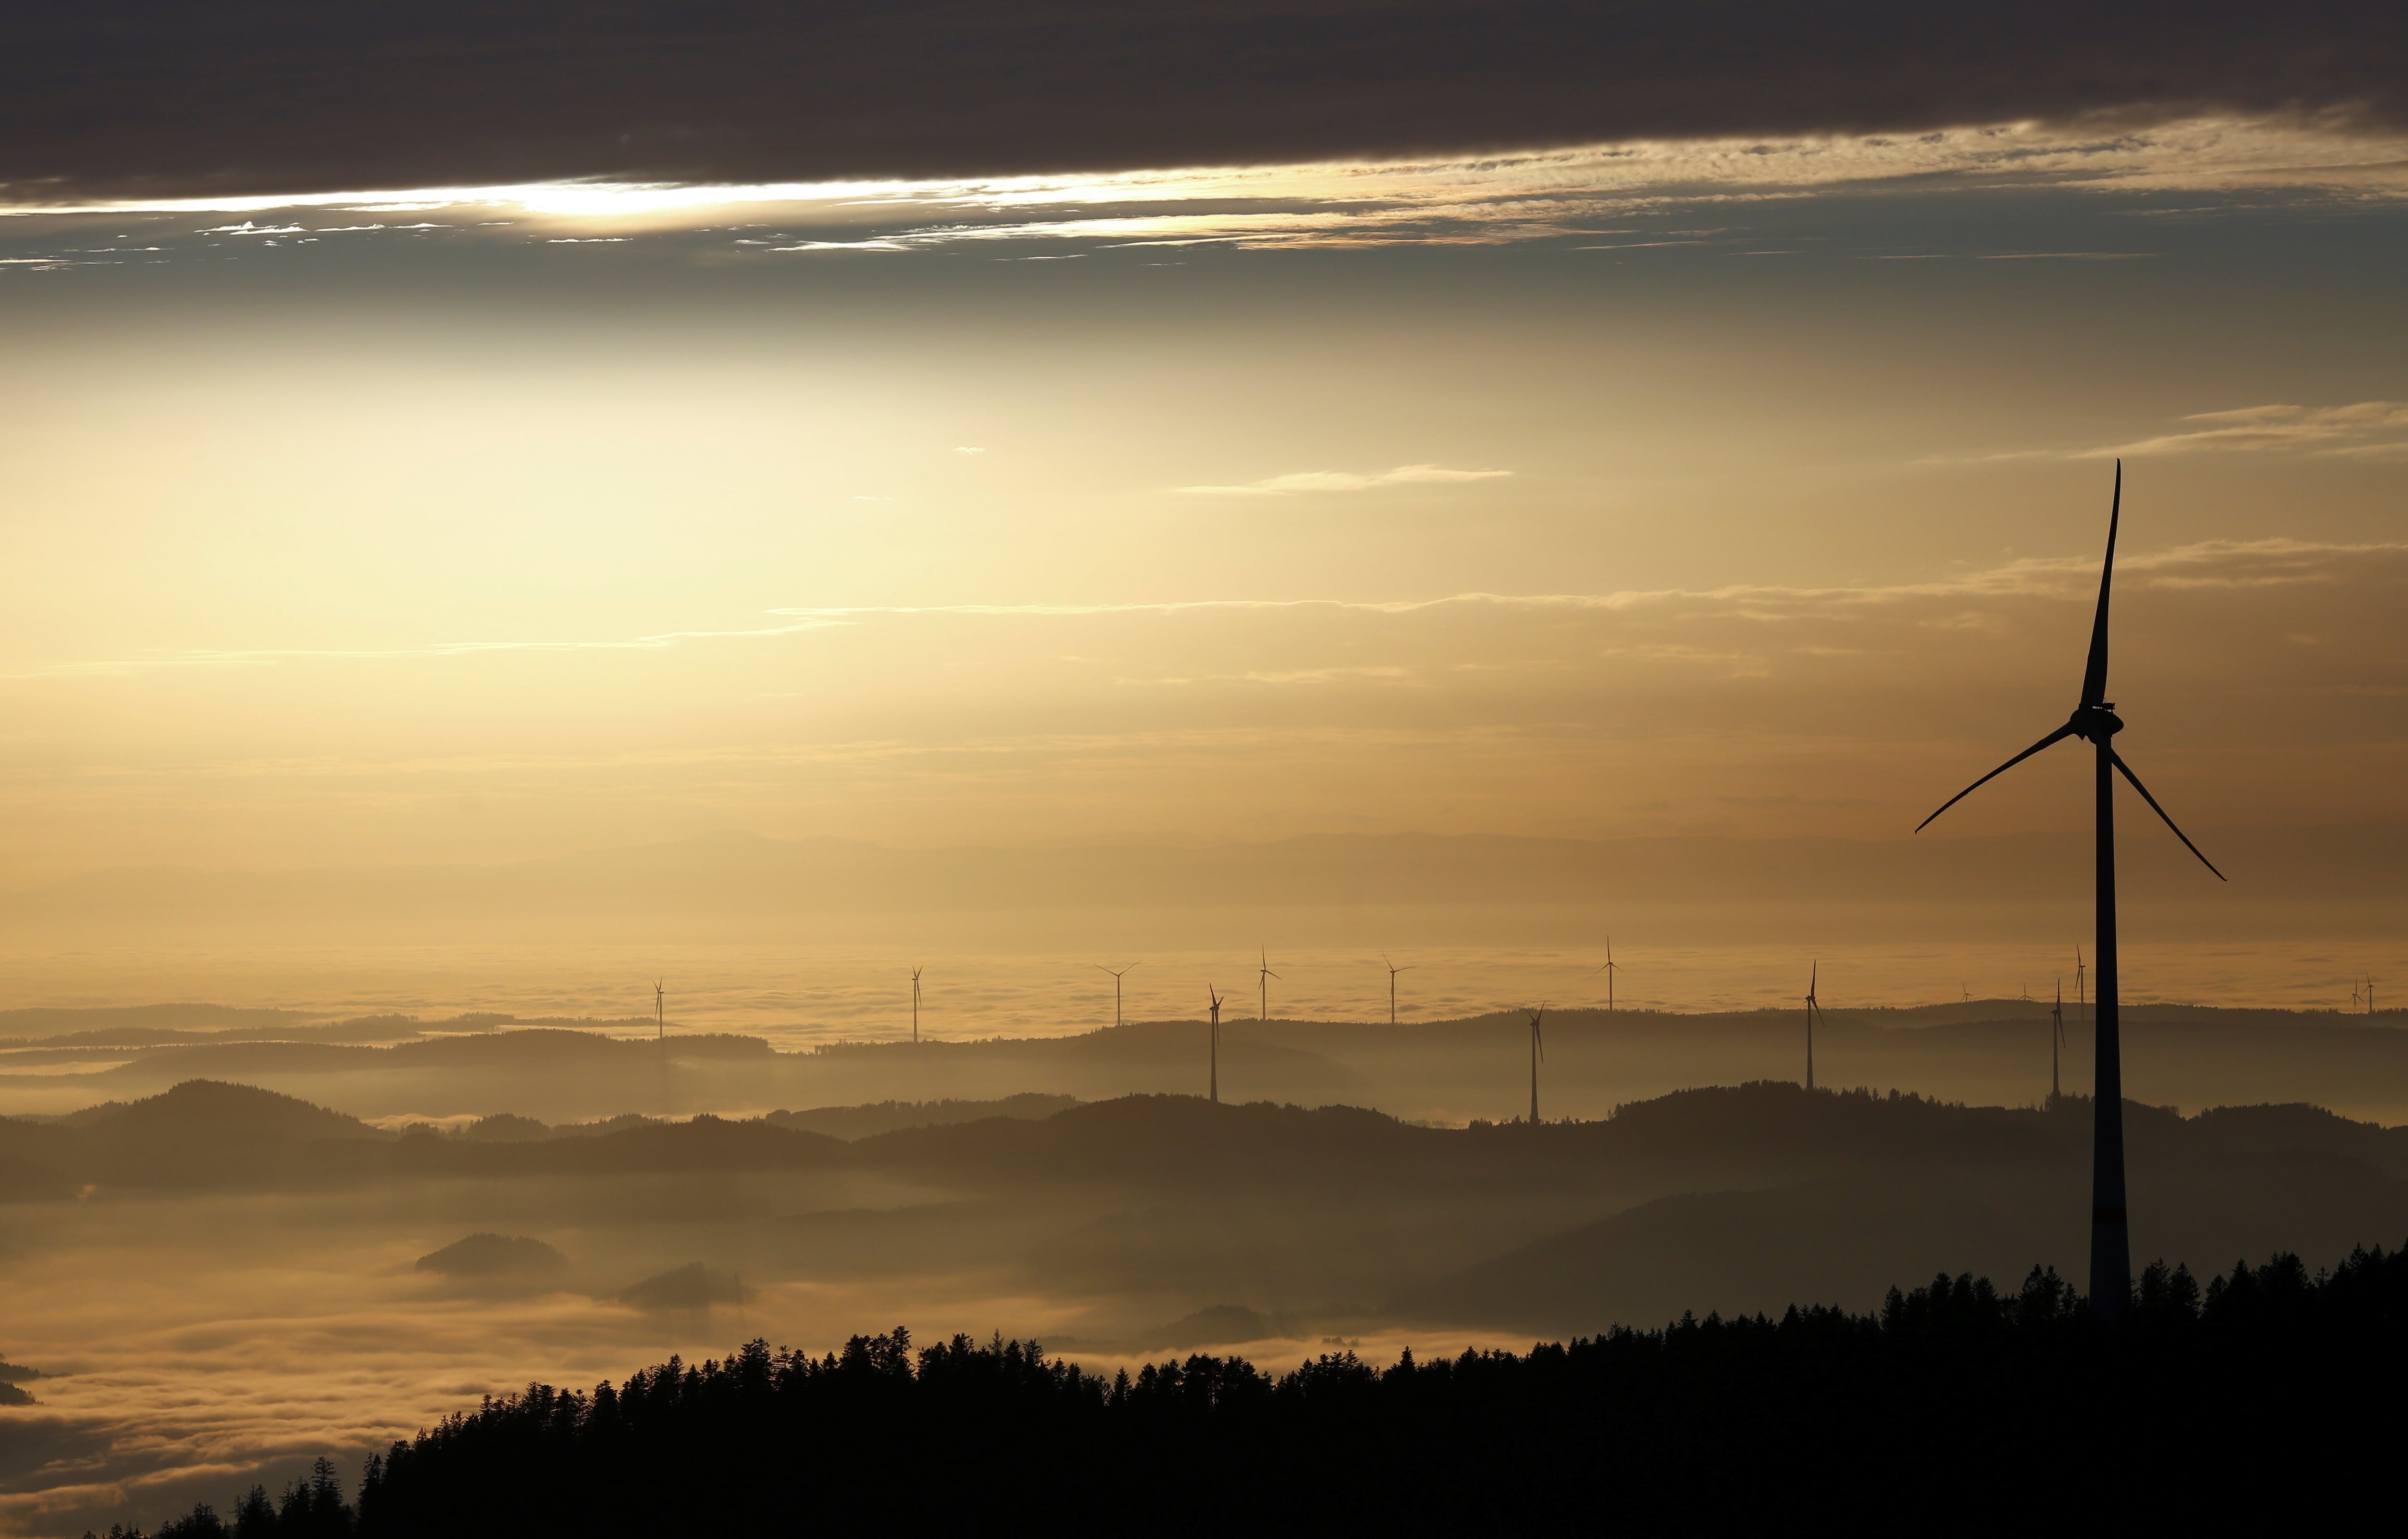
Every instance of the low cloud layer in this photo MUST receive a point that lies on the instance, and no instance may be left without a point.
(146, 96)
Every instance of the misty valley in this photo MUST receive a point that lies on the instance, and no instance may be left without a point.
(259, 1241)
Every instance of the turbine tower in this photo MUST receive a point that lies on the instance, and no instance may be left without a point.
(1392, 970)
(915, 1004)
(1610, 969)
(2095, 722)
(2057, 1042)
(660, 1012)
(1116, 985)
(1813, 1009)
(1263, 977)
(1217, 1042)
(1537, 1051)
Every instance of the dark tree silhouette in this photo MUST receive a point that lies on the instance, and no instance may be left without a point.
(1956, 1408)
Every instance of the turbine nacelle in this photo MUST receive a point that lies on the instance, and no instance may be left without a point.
(2094, 722)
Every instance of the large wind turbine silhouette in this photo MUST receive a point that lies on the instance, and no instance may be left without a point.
(2095, 722)
(1610, 969)
(1813, 1009)
(1537, 1051)
(1392, 970)
(1264, 978)
(660, 1010)
(1217, 1042)
(1116, 985)
(915, 1004)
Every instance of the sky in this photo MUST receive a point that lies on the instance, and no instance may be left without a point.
(1609, 462)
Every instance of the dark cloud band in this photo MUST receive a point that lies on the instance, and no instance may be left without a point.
(165, 97)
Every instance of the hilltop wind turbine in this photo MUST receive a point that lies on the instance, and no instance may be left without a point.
(1813, 1009)
(1264, 978)
(2354, 998)
(1116, 985)
(1610, 969)
(1392, 970)
(1217, 1042)
(2081, 979)
(915, 1004)
(1537, 1051)
(2056, 1041)
(2095, 722)
(660, 1012)
(2369, 993)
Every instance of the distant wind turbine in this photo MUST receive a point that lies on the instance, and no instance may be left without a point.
(2093, 721)
(1116, 985)
(2369, 993)
(2354, 999)
(1814, 1011)
(1264, 978)
(660, 1012)
(915, 1004)
(2081, 979)
(1967, 991)
(1537, 1051)
(1610, 969)
(1392, 970)
(1217, 1042)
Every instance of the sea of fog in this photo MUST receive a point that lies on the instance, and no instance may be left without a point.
(800, 994)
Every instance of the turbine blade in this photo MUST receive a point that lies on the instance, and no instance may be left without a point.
(2117, 759)
(2094, 674)
(2056, 737)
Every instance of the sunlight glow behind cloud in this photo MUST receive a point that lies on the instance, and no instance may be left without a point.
(1483, 200)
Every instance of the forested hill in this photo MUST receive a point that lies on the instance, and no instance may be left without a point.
(1955, 1408)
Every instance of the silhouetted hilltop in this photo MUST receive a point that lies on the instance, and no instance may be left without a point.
(692, 1286)
(1955, 1407)
(1757, 1134)
(1452, 1070)
(489, 1255)
(1162, 1138)
(137, 1020)
(857, 1122)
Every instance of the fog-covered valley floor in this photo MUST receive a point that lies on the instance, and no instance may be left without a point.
(253, 1238)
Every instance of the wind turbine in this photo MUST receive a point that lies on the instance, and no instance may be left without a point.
(1116, 985)
(2095, 722)
(1217, 1042)
(1265, 975)
(2081, 979)
(1813, 1009)
(1392, 970)
(915, 1004)
(2057, 1042)
(2369, 993)
(1610, 969)
(1537, 1051)
(660, 1012)
(2354, 999)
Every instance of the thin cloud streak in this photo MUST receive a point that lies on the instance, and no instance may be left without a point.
(1344, 480)
(2269, 562)
(2366, 427)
